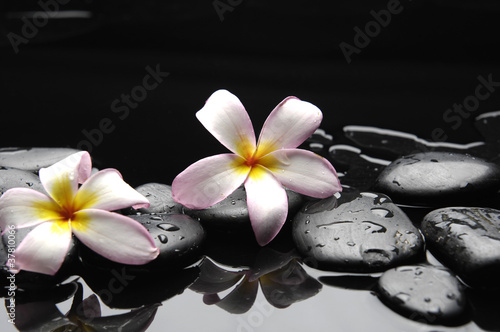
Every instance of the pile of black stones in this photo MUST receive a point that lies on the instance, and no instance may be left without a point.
(417, 224)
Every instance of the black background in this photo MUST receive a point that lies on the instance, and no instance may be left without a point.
(64, 80)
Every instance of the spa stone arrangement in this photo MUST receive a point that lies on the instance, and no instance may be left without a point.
(416, 223)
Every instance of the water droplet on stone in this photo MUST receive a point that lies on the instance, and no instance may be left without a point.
(320, 245)
(168, 227)
(403, 297)
(155, 218)
(351, 244)
(233, 202)
(163, 238)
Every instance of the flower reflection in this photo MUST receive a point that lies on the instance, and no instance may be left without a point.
(282, 279)
(41, 313)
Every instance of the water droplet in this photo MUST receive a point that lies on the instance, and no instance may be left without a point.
(30, 184)
(427, 299)
(308, 221)
(307, 232)
(451, 296)
(155, 218)
(181, 237)
(320, 245)
(336, 238)
(351, 244)
(168, 227)
(233, 202)
(403, 297)
(163, 238)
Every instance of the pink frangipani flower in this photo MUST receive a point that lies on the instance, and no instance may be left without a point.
(264, 167)
(80, 210)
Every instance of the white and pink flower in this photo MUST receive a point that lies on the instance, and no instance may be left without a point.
(264, 167)
(80, 204)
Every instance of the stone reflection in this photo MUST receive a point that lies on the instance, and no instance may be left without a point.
(281, 277)
(37, 311)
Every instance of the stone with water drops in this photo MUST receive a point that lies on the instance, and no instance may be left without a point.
(428, 293)
(231, 214)
(358, 232)
(431, 178)
(467, 240)
(17, 178)
(160, 198)
(179, 238)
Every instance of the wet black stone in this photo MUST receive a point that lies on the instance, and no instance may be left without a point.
(432, 178)
(179, 238)
(16, 178)
(32, 159)
(467, 240)
(359, 232)
(427, 293)
(231, 214)
(160, 198)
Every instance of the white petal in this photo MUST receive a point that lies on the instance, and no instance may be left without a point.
(106, 190)
(209, 181)
(267, 204)
(288, 125)
(225, 117)
(303, 171)
(23, 207)
(61, 179)
(44, 248)
(114, 236)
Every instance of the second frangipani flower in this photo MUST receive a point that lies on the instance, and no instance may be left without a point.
(264, 167)
(80, 204)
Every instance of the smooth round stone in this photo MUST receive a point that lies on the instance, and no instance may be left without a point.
(437, 177)
(160, 198)
(359, 232)
(32, 159)
(467, 240)
(179, 238)
(231, 214)
(423, 292)
(17, 178)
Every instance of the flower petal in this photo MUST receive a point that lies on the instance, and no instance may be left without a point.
(44, 248)
(209, 181)
(106, 190)
(267, 204)
(61, 179)
(114, 236)
(23, 207)
(288, 125)
(303, 171)
(227, 120)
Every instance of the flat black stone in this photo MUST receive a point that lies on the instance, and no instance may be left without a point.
(160, 198)
(432, 178)
(467, 240)
(427, 293)
(359, 232)
(32, 159)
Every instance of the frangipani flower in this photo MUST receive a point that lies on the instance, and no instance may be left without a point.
(80, 210)
(263, 167)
